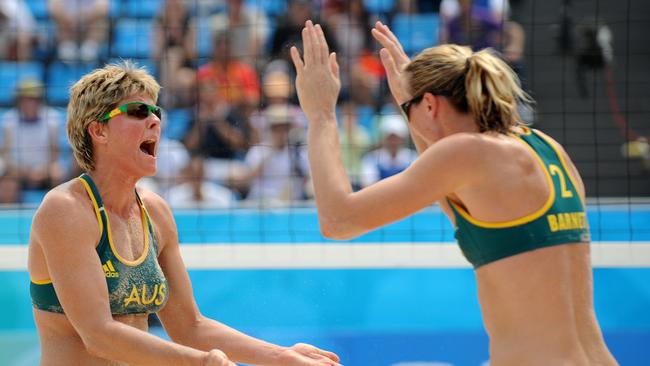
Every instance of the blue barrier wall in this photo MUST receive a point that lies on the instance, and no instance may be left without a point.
(368, 316)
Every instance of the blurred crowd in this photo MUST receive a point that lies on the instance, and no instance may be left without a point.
(233, 132)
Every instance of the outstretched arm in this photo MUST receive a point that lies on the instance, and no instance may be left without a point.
(186, 325)
(345, 214)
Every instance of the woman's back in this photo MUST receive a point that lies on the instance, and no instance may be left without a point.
(537, 305)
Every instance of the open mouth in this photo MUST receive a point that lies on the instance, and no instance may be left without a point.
(149, 147)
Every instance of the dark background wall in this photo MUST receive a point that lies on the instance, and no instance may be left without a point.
(585, 125)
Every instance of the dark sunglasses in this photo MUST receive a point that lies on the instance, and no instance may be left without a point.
(406, 106)
(137, 110)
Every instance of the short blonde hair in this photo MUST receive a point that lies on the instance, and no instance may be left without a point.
(479, 83)
(96, 94)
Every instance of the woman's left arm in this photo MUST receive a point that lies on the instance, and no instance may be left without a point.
(186, 325)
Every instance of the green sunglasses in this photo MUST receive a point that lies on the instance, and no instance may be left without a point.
(137, 110)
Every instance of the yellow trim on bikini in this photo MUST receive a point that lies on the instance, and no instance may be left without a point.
(145, 229)
(99, 220)
(527, 131)
(145, 251)
(41, 282)
(523, 220)
(95, 205)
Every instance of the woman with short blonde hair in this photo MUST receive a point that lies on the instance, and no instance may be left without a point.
(103, 255)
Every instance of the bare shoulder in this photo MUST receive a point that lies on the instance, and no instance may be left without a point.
(453, 162)
(65, 209)
(463, 144)
(461, 151)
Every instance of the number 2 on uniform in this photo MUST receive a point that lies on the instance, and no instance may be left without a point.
(555, 170)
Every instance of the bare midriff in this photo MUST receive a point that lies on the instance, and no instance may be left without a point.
(538, 309)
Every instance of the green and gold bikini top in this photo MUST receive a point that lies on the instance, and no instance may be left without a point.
(560, 220)
(134, 287)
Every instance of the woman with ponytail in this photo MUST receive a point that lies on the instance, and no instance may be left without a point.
(513, 194)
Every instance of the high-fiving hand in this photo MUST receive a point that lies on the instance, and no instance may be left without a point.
(394, 59)
(317, 82)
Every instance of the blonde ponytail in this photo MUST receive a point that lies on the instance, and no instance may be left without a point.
(492, 92)
(478, 83)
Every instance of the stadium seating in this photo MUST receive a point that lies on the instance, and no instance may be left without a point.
(416, 31)
(203, 36)
(133, 38)
(61, 76)
(177, 123)
(379, 6)
(32, 196)
(141, 8)
(271, 7)
(39, 8)
(365, 117)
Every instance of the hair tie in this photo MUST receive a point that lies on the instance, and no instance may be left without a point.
(467, 64)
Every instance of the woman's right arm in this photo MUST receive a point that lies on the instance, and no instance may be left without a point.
(443, 168)
(68, 243)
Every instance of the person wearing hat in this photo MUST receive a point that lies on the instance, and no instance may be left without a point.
(276, 90)
(278, 166)
(30, 148)
(392, 156)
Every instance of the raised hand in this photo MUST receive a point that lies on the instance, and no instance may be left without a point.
(303, 354)
(317, 82)
(394, 59)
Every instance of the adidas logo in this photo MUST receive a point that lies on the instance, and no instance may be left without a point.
(109, 270)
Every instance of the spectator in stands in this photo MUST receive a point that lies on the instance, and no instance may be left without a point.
(354, 141)
(472, 25)
(17, 30)
(485, 23)
(277, 90)
(249, 30)
(195, 190)
(237, 83)
(482, 24)
(361, 70)
(499, 9)
(173, 51)
(222, 136)
(393, 156)
(288, 28)
(278, 167)
(349, 22)
(82, 26)
(30, 148)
